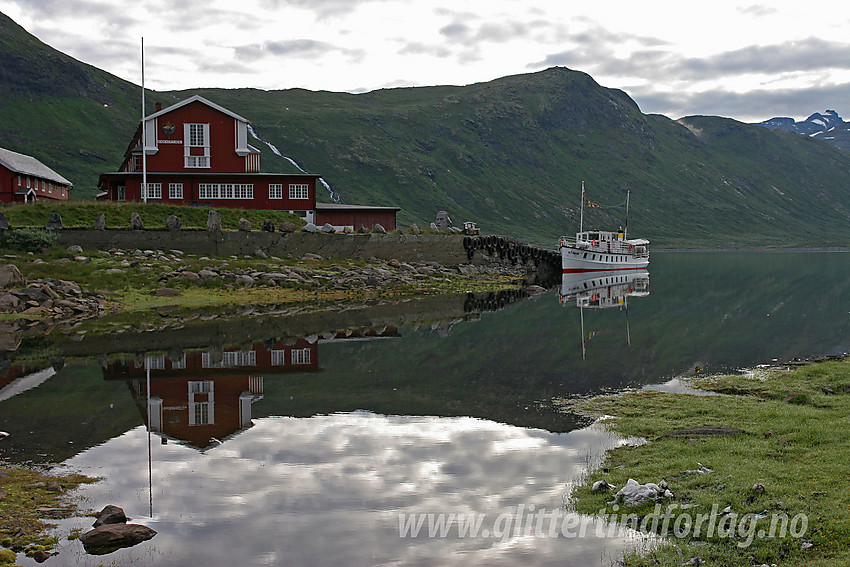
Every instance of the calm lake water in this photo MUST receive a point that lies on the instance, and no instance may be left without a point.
(327, 438)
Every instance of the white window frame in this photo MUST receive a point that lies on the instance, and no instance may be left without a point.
(278, 357)
(154, 191)
(201, 413)
(275, 190)
(235, 358)
(121, 193)
(241, 191)
(179, 364)
(300, 356)
(155, 362)
(196, 136)
(230, 359)
(299, 191)
(175, 190)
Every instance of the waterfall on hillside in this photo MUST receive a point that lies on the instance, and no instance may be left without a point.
(334, 196)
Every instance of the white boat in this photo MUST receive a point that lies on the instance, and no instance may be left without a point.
(602, 251)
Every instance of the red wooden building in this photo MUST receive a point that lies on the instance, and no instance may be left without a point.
(24, 179)
(197, 153)
(355, 216)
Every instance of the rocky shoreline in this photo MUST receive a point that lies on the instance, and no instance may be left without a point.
(375, 274)
(48, 300)
(41, 304)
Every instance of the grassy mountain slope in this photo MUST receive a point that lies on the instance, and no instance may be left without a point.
(73, 117)
(510, 153)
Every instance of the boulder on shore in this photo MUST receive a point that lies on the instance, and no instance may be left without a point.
(11, 276)
(110, 515)
(54, 222)
(111, 537)
(136, 222)
(442, 222)
(173, 222)
(635, 493)
(214, 221)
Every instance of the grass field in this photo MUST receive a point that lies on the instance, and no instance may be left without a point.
(82, 214)
(789, 462)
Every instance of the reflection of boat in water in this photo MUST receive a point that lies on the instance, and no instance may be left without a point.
(601, 291)
(599, 250)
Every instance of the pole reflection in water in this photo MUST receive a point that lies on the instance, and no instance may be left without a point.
(603, 290)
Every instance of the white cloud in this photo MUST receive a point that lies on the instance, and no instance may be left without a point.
(670, 50)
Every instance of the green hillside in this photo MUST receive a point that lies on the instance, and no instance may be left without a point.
(509, 154)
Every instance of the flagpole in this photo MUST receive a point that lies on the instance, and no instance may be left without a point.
(626, 232)
(144, 133)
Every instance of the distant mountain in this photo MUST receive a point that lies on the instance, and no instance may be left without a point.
(510, 153)
(827, 126)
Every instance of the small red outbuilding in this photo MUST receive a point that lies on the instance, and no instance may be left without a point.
(24, 179)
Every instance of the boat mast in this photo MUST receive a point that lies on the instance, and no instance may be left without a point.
(581, 217)
(626, 231)
(144, 137)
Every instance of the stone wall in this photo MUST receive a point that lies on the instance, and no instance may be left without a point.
(445, 249)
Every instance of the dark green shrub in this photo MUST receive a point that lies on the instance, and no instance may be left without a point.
(28, 239)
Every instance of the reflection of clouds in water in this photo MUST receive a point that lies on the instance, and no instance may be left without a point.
(329, 490)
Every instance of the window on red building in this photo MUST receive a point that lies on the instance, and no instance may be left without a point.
(299, 191)
(196, 145)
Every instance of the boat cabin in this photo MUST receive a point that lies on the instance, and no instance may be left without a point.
(600, 236)
(608, 242)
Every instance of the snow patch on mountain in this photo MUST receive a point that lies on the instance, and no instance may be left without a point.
(811, 126)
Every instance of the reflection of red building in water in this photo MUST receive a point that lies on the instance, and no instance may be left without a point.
(205, 397)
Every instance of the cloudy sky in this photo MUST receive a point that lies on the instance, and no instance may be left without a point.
(742, 59)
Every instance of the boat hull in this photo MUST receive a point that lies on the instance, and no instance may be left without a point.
(576, 260)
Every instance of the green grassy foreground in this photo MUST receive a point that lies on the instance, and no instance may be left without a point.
(82, 214)
(794, 444)
(29, 499)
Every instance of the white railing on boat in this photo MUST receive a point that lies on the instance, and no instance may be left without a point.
(605, 246)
